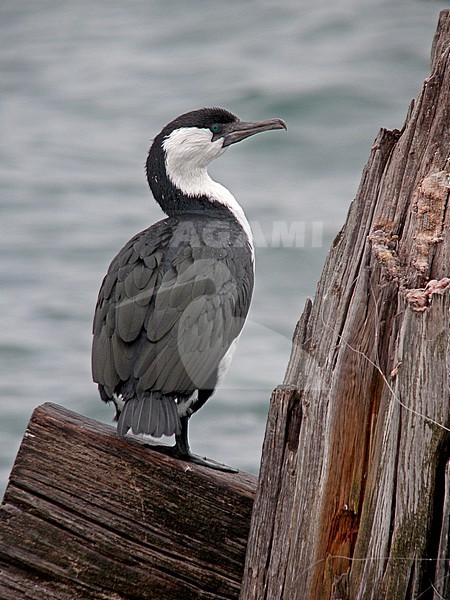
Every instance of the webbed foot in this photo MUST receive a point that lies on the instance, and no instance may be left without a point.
(182, 451)
(206, 462)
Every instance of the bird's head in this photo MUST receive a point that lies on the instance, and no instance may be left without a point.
(181, 152)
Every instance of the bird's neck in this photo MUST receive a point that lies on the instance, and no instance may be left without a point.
(187, 189)
(196, 184)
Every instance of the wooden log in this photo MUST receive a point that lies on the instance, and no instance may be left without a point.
(351, 502)
(88, 514)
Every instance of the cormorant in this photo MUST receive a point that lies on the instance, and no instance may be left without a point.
(174, 300)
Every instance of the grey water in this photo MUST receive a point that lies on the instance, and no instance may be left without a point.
(84, 86)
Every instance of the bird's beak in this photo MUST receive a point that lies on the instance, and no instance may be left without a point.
(241, 129)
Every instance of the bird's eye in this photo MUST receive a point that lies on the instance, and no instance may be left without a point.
(216, 128)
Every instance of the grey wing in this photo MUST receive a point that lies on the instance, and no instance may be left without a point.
(166, 317)
(122, 305)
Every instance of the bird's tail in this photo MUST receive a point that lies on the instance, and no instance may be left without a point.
(152, 413)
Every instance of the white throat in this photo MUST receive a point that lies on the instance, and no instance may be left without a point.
(188, 152)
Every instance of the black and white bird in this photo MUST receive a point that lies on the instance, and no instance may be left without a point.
(173, 303)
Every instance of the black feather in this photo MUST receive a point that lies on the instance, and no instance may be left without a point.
(153, 413)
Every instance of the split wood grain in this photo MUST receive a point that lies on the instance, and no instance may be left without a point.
(88, 514)
(353, 506)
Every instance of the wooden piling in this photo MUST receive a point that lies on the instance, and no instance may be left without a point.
(88, 514)
(352, 501)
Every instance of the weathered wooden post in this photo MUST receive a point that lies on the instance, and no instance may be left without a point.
(353, 497)
(88, 514)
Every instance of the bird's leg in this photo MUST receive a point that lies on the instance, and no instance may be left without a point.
(183, 451)
(181, 439)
